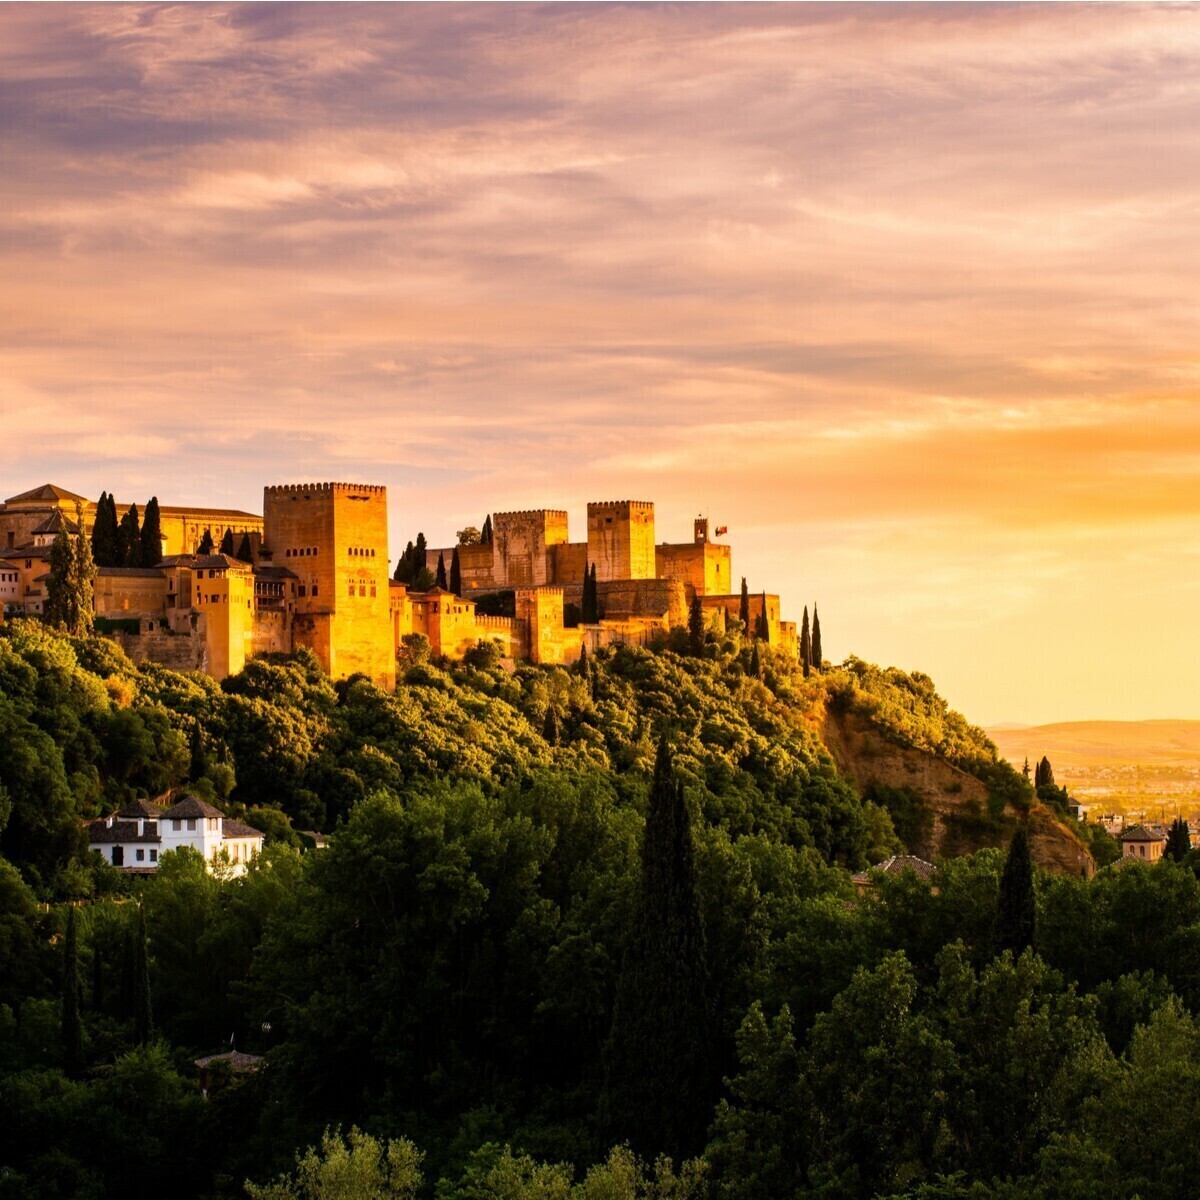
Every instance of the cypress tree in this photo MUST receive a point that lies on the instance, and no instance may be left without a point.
(550, 726)
(130, 539)
(455, 573)
(245, 550)
(696, 625)
(57, 609)
(1025, 768)
(818, 658)
(151, 534)
(761, 628)
(755, 663)
(744, 608)
(805, 645)
(1015, 911)
(1179, 842)
(589, 613)
(82, 581)
(660, 1076)
(485, 534)
(227, 543)
(206, 543)
(420, 552)
(404, 568)
(143, 1017)
(1043, 776)
(441, 571)
(105, 537)
(72, 1024)
(583, 667)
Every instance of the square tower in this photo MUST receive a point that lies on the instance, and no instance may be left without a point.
(520, 545)
(621, 539)
(333, 537)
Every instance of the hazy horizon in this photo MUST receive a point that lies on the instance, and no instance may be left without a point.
(903, 295)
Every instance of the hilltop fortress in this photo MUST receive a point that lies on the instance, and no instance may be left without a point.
(319, 577)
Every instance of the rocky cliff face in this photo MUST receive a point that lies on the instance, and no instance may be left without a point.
(940, 810)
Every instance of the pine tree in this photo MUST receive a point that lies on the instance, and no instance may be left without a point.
(105, 536)
(1015, 912)
(82, 581)
(485, 534)
(72, 1024)
(696, 625)
(455, 573)
(57, 609)
(227, 543)
(550, 726)
(151, 534)
(245, 550)
(441, 571)
(805, 645)
(744, 608)
(818, 658)
(130, 531)
(143, 1016)
(206, 543)
(660, 1067)
(1179, 842)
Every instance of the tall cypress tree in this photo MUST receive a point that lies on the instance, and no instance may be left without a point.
(58, 605)
(696, 625)
(818, 657)
(105, 536)
(1015, 911)
(1179, 842)
(227, 542)
(660, 1068)
(245, 550)
(206, 543)
(130, 531)
(143, 1016)
(762, 629)
(485, 534)
(589, 610)
(805, 645)
(1043, 775)
(550, 726)
(82, 581)
(72, 1024)
(151, 534)
(744, 608)
(441, 571)
(404, 565)
(455, 573)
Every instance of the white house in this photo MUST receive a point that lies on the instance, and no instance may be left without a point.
(137, 835)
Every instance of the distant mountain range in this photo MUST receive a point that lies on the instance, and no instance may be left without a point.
(1097, 743)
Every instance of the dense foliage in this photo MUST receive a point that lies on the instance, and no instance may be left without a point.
(517, 858)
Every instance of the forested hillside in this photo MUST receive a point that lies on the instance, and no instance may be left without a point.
(568, 920)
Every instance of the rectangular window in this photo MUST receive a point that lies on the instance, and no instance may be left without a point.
(141, 855)
(350, 589)
(372, 589)
(154, 856)
(362, 589)
(191, 824)
(302, 589)
(176, 824)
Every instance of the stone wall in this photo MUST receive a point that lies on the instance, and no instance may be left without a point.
(155, 641)
(621, 539)
(703, 566)
(660, 598)
(520, 545)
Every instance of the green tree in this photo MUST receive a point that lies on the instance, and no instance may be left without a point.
(206, 543)
(1043, 776)
(245, 550)
(151, 534)
(441, 571)
(485, 535)
(755, 662)
(660, 1057)
(83, 581)
(455, 573)
(590, 607)
(818, 659)
(59, 603)
(1179, 842)
(404, 565)
(761, 628)
(1016, 908)
(696, 625)
(143, 1016)
(72, 1023)
(105, 534)
(227, 542)
(550, 726)
(469, 536)
(744, 608)
(355, 1168)
(130, 537)
(805, 645)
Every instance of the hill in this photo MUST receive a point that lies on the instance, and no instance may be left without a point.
(1102, 743)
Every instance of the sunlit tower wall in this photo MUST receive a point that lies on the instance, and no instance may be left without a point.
(520, 546)
(333, 537)
(621, 539)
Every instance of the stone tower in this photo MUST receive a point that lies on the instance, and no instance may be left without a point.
(333, 537)
(621, 539)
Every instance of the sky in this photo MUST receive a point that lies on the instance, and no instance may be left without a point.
(905, 296)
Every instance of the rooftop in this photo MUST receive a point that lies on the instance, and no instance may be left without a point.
(48, 493)
(1139, 833)
(192, 807)
(896, 865)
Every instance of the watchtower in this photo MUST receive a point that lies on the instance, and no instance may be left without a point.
(621, 539)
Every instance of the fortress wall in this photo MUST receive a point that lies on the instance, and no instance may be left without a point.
(704, 566)
(183, 528)
(663, 599)
(118, 595)
(510, 634)
(269, 633)
(185, 650)
(542, 611)
(568, 561)
(621, 539)
(520, 541)
(732, 606)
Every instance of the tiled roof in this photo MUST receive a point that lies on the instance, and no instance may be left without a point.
(119, 831)
(131, 572)
(56, 521)
(237, 1060)
(217, 562)
(191, 807)
(275, 572)
(27, 551)
(897, 865)
(235, 829)
(1139, 833)
(140, 808)
(48, 493)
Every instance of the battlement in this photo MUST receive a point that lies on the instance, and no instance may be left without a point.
(534, 592)
(531, 512)
(619, 505)
(287, 489)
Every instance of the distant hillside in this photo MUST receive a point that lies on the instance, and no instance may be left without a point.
(1076, 744)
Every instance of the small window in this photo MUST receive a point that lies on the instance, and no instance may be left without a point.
(350, 589)
(314, 589)
(140, 855)
(302, 589)
(191, 824)
(154, 855)
(362, 589)
(176, 824)
(372, 589)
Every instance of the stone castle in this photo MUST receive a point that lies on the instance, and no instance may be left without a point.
(319, 577)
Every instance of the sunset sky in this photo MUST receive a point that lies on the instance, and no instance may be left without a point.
(905, 296)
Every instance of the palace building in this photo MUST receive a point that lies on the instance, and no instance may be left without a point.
(318, 576)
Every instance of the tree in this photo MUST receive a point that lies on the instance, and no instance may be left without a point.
(761, 628)
(744, 608)
(1025, 768)
(206, 543)
(72, 1025)
(83, 581)
(590, 608)
(130, 538)
(358, 1168)
(818, 658)
(143, 1016)
(227, 542)
(485, 536)
(755, 662)
(58, 605)
(1015, 911)
(805, 645)
(469, 536)
(105, 534)
(696, 625)
(151, 534)
(441, 571)
(404, 568)
(659, 1062)
(245, 550)
(1179, 842)
(455, 573)
(550, 726)
(1043, 775)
